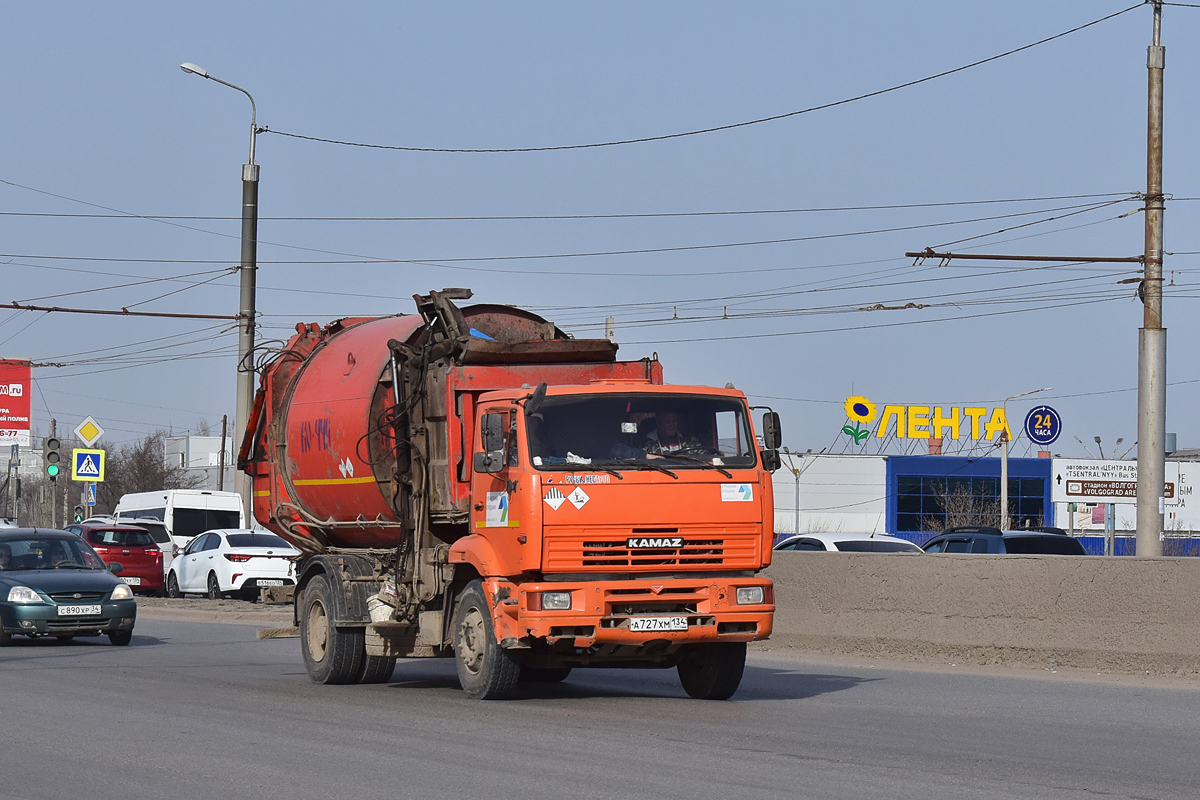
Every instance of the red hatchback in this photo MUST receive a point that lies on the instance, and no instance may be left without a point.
(133, 548)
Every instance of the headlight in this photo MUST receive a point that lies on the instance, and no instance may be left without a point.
(122, 592)
(556, 601)
(23, 594)
(750, 595)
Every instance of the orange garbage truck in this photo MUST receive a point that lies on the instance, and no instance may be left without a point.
(473, 483)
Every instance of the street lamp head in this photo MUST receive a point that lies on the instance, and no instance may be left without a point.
(195, 70)
(1097, 438)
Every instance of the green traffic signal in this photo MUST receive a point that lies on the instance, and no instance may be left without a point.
(51, 456)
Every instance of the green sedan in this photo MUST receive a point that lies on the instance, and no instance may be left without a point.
(54, 584)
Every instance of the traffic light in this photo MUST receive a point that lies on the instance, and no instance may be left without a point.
(51, 459)
(79, 513)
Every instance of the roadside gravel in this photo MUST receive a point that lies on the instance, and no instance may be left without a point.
(201, 609)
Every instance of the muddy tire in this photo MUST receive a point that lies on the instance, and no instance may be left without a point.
(331, 654)
(214, 587)
(544, 674)
(712, 671)
(120, 638)
(5, 638)
(377, 669)
(173, 585)
(486, 671)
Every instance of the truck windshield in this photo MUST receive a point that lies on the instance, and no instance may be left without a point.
(636, 430)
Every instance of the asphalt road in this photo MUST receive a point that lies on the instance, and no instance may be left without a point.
(199, 710)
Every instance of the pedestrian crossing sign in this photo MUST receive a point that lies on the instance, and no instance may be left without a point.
(87, 465)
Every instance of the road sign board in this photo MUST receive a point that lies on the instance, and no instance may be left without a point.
(89, 431)
(1095, 481)
(87, 465)
(90, 494)
(1043, 425)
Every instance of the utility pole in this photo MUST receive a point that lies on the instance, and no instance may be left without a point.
(1152, 337)
(248, 277)
(221, 460)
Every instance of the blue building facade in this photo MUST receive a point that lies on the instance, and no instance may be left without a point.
(918, 487)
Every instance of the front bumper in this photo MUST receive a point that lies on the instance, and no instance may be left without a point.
(601, 611)
(43, 618)
(151, 582)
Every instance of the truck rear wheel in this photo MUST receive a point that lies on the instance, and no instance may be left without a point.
(712, 671)
(331, 654)
(377, 669)
(485, 669)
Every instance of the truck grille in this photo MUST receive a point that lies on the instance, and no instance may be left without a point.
(618, 554)
(567, 550)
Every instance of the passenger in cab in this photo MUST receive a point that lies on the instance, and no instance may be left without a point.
(5, 556)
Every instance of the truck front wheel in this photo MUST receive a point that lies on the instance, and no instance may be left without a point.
(331, 654)
(712, 671)
(485, 670)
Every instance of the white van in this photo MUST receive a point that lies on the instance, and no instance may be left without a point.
(186, 513)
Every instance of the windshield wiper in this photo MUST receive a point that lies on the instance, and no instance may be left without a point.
(701, 461)
(634, 462)
(69, 565)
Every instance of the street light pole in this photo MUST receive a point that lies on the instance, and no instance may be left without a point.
(1004, 521)
(248, 273)
(1152, 337)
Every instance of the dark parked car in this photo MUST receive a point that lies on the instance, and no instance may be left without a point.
(52, 583)
(1028, 541)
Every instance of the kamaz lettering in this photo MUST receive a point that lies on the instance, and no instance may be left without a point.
(642, 543)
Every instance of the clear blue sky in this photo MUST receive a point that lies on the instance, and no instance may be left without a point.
(97, 111)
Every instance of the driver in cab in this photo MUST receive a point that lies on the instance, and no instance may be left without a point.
(666, 438)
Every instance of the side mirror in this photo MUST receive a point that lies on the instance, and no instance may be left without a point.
(770, 460)
(495, 445)
(772, 435)
(115, 568)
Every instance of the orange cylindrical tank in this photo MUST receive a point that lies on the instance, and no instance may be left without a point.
(321, 467)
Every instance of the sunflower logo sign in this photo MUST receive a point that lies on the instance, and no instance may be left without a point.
(860, 411)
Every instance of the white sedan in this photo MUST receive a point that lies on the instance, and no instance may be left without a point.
(238, 561)
(848, 543)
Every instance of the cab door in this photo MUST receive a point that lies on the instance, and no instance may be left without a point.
(495, 453)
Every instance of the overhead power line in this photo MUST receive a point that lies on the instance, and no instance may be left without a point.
(457, 261)
(716, 128)
(552, 217)
(119, 313)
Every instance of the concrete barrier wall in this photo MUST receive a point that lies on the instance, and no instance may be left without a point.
(1108, 614)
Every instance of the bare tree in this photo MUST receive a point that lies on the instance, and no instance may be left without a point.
(140, 467)
(961, 508)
